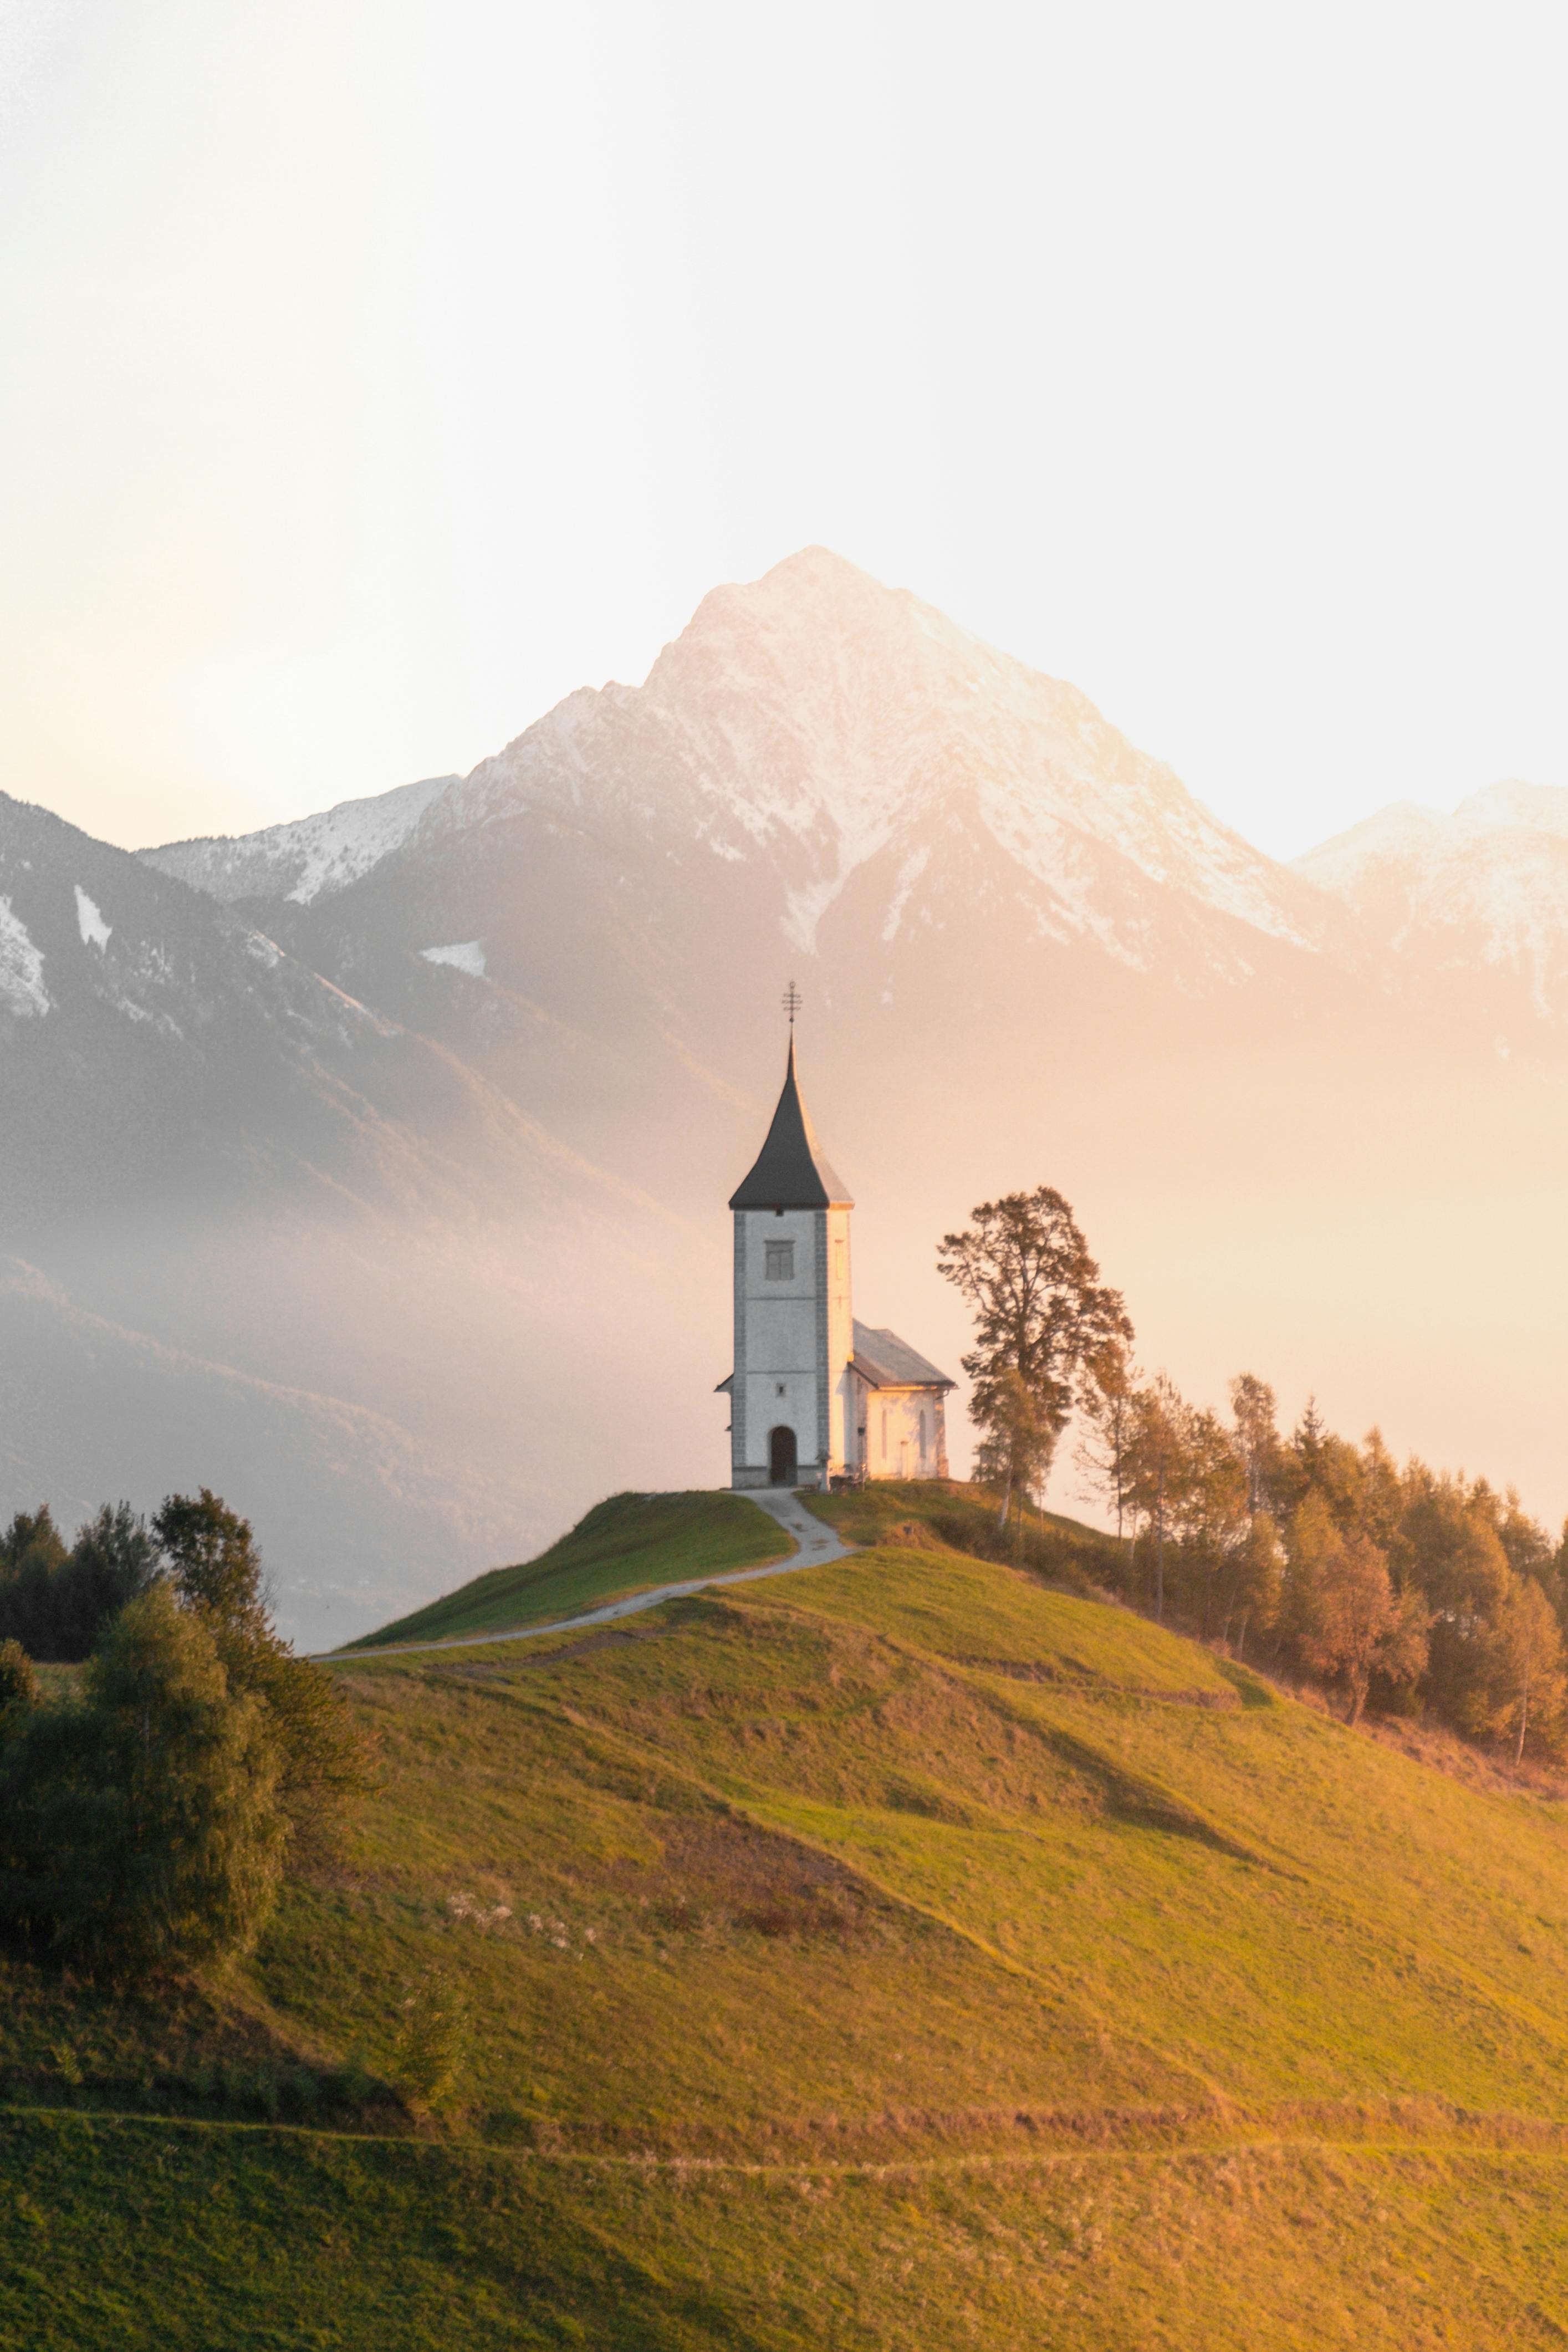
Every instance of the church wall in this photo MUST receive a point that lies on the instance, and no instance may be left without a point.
(905, 1433)
(781, 1274)
(837, 1340)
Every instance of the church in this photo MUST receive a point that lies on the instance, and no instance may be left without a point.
(815, 1397)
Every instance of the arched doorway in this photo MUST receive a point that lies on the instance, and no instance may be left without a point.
(781, 1458)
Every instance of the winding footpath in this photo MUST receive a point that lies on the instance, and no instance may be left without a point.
(815, 1544)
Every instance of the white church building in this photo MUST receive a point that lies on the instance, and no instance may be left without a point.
(814, 1395)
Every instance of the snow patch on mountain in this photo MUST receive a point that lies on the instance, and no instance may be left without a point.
(468, 955)
(95, 932)
(22, 988)
(306, 859)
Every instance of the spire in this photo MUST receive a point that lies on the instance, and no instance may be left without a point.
(790, 1170)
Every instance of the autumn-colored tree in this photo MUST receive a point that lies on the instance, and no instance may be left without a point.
(1106, 1430)
(1254, 1409)
(1210, 1517)
(1356, 1625)
(1255, 1581)
(1041, 1314)
(1158, 1466)
(1521, 1689)
(1016, 1440)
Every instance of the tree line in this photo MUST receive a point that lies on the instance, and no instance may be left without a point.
(149, 1807)
(1421, 1591)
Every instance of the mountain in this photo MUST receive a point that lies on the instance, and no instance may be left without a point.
(898, 1953)
(257, 1228)
(429, 1106)
(1484, 891)
(299, 860)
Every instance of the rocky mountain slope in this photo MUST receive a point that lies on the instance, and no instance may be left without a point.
(299, 860)
(1481, 890)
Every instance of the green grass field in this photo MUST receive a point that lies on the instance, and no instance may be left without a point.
(623, 1546)
(898, 1953)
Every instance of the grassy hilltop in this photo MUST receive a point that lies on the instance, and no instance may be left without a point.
(626, 1544)
(899, 1953)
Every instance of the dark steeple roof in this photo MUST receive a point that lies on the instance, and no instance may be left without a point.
(790, 1171)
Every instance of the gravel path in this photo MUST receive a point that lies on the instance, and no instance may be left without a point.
(815, 1542)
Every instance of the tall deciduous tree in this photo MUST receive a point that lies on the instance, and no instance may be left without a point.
(1253, 1406)
(1158, 1463)
(1212, 1518)
(1042, 1315)
(1522, 1688)
(1356, 1625)
(1107, 1426)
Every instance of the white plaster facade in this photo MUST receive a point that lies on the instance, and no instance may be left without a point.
(904, 1431)
(814, 1395)
(793, 1343)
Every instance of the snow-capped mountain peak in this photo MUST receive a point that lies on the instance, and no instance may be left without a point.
(819, 721)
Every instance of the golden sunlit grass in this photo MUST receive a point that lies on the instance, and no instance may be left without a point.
(897, 1953)
(624, 1545)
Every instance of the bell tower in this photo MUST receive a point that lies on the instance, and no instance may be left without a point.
(792, 1391)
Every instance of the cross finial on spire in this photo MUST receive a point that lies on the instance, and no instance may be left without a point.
(792, 1004)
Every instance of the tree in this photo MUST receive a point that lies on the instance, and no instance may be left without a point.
(139, 1829)
(112, 1560)
(1524, 1688)
(216, 1569)
(1157, 1464)
(58, 1602)
(1211, 1516)
(1357, 1626)
(1107, 1422)
(1253, 1406)
(32, 1553)
(1459, 1565)
(1041, 1314)
(214, 1560)
(1014, 1452)
(1256, 1579)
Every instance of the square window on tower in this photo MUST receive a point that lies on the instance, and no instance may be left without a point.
(780, 1265)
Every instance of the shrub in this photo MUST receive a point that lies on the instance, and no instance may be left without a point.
(18, 1683)
(216, 1572)
(139, 1828)
(432, 2042)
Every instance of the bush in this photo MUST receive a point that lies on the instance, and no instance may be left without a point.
(18, 1683)
(141, 1829)
(432, 2042)
(216, 1572)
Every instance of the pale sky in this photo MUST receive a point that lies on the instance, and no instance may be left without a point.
(376, 372)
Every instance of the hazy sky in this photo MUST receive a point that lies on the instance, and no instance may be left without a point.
(375, 372)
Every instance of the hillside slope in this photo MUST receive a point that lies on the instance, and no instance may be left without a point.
(894, 1954)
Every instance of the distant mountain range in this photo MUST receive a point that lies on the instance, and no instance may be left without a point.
(421, 1112)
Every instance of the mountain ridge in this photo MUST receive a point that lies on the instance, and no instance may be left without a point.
(443, 1130)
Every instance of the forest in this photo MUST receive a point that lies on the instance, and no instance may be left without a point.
(1417, 1591)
